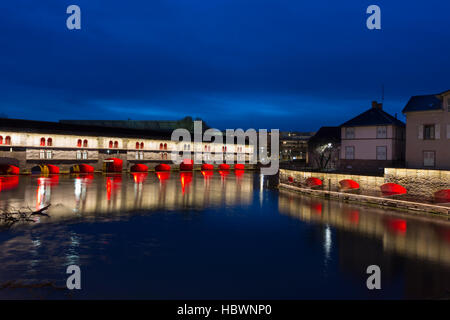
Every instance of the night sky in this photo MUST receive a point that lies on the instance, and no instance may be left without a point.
(292, 65)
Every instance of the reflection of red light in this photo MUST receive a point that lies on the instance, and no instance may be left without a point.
(290, 179)
(239, 173)
(48, 180)
(353, 216)
(445, 233)
(139, 177)
(316, 208)
(349, 184)
(108, 188)
(392, 188)
(312, 182)
(8, 183)
(186, 179)
(112, 184)
(224, 173)
(162, 176)
(207, 174)
(397, 226)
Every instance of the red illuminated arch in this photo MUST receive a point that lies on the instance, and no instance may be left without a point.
(142, 145)
(392, 188)
(137, 145)
(239, 166)
(116, 144)
(224, 166)
(85, 143)
(49, 142)
(110, 144)
(348, 184)
(42, 142)
(79, 143)
(162, 167)
(313, 182)
(139, 168)
(161, 146)
(442, 196)
(165, 146)
(207, 166)
(1, 139)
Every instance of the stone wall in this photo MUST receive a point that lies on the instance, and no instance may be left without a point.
(419, 182)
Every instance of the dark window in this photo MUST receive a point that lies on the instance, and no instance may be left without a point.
(428, 132)
(116, 144)
(161, 146)
(49, 142)
(165, 146)
(8, 140)
(85, 143)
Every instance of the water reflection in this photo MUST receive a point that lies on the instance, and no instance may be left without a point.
(84, 194)
(414, 237)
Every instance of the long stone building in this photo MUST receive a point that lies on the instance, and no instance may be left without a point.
(27, 143)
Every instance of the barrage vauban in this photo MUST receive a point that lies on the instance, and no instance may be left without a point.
(205, 311)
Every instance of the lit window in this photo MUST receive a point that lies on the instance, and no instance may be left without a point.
(137, 145)
(382, 153)
(142, 145)
(42, 142)
(49, 142)
(41, 154)
(85, 143)
(141, 155)
(350, 153)
(49, 154)
(8, 140)
(161, 146)
(78, 155)
(1, 139)
(165, 146)
(116, 144)
(85, 155)
(79, 143)
(137, 155)
(382, 132)
(110, 144)
(429, 158)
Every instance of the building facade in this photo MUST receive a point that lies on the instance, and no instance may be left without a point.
(428, 131)
(294, 146)
(26, 143)
(372, 141)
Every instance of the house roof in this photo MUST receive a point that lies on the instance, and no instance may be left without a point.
(19, 125)
(326, 134)
(423, 103)
(373, 117)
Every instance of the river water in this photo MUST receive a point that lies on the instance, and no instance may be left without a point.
(201, 236)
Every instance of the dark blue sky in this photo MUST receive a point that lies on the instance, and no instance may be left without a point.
(292, 65)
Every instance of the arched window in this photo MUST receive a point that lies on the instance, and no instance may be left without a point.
(206, 148)
(165, 155)
(209, 148)
(110, 144)
(225, 149)
(160, 146)
(85, 143)
(137, 145)
(165, 146)
(79, 143)
(49, 142)
(162, 155)
(1, 139)
(42, 142)
(116, 144)
(142, 145)
(8, 140)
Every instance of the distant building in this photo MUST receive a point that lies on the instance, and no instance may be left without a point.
(428, 131)
(294, 145)
(324, 149)
(153, 125)
(372, 141)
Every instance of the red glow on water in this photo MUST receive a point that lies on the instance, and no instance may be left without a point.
(349, 184)
(316, 208)
(139, 177)
(239, 173)
(163, 175)
(207, 174)
(112, 185)
(9, 183)
(397, 226)
(186, 179)
(392, 188)
(352, 216)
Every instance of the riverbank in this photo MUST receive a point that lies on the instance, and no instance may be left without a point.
(367, 200)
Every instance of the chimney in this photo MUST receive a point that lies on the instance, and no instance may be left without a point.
(376, 105)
